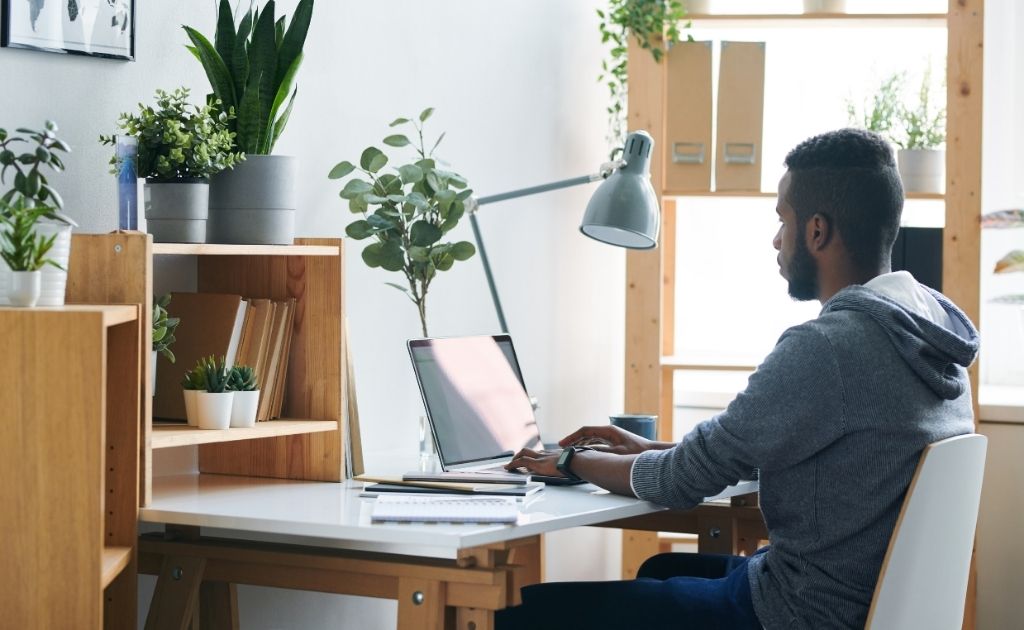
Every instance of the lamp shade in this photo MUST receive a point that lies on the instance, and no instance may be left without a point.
(624, 209)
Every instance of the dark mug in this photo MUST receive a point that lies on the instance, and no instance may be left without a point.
(643, 424)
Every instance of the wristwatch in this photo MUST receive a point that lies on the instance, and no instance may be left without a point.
(565, 461)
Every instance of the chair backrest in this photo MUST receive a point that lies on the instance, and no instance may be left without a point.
(923, 581)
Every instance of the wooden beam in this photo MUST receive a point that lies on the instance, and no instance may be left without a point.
(177, 593)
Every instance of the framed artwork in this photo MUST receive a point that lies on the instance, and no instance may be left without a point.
(99, 28)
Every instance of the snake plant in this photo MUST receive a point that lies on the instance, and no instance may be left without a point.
(252, 69)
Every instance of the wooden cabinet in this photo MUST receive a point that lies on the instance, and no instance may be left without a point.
(68, 464)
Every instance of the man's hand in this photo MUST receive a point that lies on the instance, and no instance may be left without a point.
(611, 439)
(537, 462)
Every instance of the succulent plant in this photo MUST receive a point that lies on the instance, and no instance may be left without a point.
(195, 379)
(242, 379)
(163, 327)
(216, 374)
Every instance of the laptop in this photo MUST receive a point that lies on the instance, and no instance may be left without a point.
(476, 401)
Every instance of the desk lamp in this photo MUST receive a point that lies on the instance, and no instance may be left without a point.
(623, 210)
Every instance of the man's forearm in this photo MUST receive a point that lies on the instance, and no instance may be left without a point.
(609, 471)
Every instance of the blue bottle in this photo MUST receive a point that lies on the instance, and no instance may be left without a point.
(127, 184)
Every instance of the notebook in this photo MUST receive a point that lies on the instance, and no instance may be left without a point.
(491, 489)
(445, 509)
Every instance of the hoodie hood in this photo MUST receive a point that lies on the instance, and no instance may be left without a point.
(936, 348)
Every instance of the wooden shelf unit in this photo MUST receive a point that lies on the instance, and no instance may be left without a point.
(70, 461)
(118, 267)
(650, 276)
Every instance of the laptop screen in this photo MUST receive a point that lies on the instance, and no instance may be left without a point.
(475, 397)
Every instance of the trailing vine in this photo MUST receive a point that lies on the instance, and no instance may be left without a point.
(655, 26)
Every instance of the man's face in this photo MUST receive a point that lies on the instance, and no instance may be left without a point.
(796, 264)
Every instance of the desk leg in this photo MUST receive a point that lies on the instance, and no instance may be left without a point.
(637, 547)
(474, 619)
(526, 560)
(218, 606)
(420, 604)
(177, 593)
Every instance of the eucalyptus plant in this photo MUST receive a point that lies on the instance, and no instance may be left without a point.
(407, 212)
(177, 140)
(164, 327)
(654, 24)
(42, 151)
(242, 378)
(20, 247)
(1013, 261)
(252, 69)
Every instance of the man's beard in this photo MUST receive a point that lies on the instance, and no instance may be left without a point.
(802, 273)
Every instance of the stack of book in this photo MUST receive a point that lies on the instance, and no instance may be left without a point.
(253, 332)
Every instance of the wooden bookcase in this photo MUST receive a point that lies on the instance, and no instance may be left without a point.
(69, 462)
(308, 442)
(650, 281)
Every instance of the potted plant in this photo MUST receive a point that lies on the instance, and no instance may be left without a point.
(252, 69)
(921, 158)
(163, 333)
(40, 150)
(406, 212)
(24, 251)
(242, 381)
(180, 147)
(213, 406)
(193, 383)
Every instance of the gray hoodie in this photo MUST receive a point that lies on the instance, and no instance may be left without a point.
(835, 419)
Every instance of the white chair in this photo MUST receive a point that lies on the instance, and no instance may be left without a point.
(923, 581)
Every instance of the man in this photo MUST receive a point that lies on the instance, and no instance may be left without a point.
(835, 420)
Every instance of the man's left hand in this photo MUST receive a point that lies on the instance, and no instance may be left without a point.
(537, 462)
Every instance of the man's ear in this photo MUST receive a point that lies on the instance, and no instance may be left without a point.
(818, 232)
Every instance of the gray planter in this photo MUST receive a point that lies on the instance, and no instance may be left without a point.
(176, 212)
(254, 203)
(922, 170)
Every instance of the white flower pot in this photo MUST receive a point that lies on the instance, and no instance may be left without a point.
(191, 415)
(53, 281)
(243, 408)
(824, 6)
(214, 410)
(25, 288)
(922, 170)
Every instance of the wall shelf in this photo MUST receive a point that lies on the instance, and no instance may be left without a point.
(818, 20)
(212, 249)
(171, 435)
(115, 559)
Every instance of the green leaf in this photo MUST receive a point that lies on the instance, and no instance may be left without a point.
(388, 184)
(359, 230)
(240, 55)
(354, 187)
(358, 204)
(224, 38)
(341, 170)
(1014, 261)
(425, 114)
(439, 139)
(444, 262)
(282, 121)
(372, 159)
(216, 69)
(372, 254)
(397, 140)
(418, 200)
(434, 181)
(419, 254)
(283, 92)
(294, 37)
(279, 32)
(398, 121)
(263, 60)
(424, 233)
(410, 173)
(391, 256)
(379, 222)
(463, 250)
(400, 288)
(249, 129)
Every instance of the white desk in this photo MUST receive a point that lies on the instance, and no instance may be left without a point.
(318, 536)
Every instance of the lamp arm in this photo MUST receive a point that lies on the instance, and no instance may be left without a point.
(473, 204)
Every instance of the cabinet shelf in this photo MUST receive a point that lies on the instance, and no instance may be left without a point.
(114, 560)
(212, 249)
(172, 435)
(817, 20)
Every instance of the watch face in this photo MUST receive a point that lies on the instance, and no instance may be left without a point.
(564, 456)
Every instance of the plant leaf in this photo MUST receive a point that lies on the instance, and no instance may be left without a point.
(240, 54)
(372, 254)
(463, 250)
(410, 173)
(372, 159)
(283, 91)
(282, 121)
(224, 38)
(249, 129)
(341, 170)
(397, 140)
(425, 114)
(359, 230)
(216, 69)
(391, 256)
(1014, 261)
(354, 187)
(424, 233)
(294, 37)
(398, 121)
(263, 60)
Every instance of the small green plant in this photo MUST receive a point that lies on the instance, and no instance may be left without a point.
(163, 327)
(216, 374)
(924, 124)
(30, 183)
(655, 26)
(178, 141)
(1014, 260)
(195, 379)
(242, 379)
(881, 115)
(20, 247)
(407, 213)
(252, 69)
(919, 125)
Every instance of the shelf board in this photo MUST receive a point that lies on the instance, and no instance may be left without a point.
(212, 249)
(113, 314)
(672, 363)
(768, 193)
(114, 560)
(804, 20)
(171, 435)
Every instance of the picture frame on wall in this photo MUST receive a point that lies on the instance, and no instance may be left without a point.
(97, 28)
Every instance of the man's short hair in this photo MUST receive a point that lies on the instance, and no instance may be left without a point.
(850, 177)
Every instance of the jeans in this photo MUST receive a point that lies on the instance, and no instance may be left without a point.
(672, 590)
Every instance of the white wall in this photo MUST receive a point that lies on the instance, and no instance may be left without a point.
(514, 84)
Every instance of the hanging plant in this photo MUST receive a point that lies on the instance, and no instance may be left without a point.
(655, 26)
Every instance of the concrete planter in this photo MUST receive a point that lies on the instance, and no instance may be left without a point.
(53, 281)
(922, 170)
(176, 211)
(254, 202)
